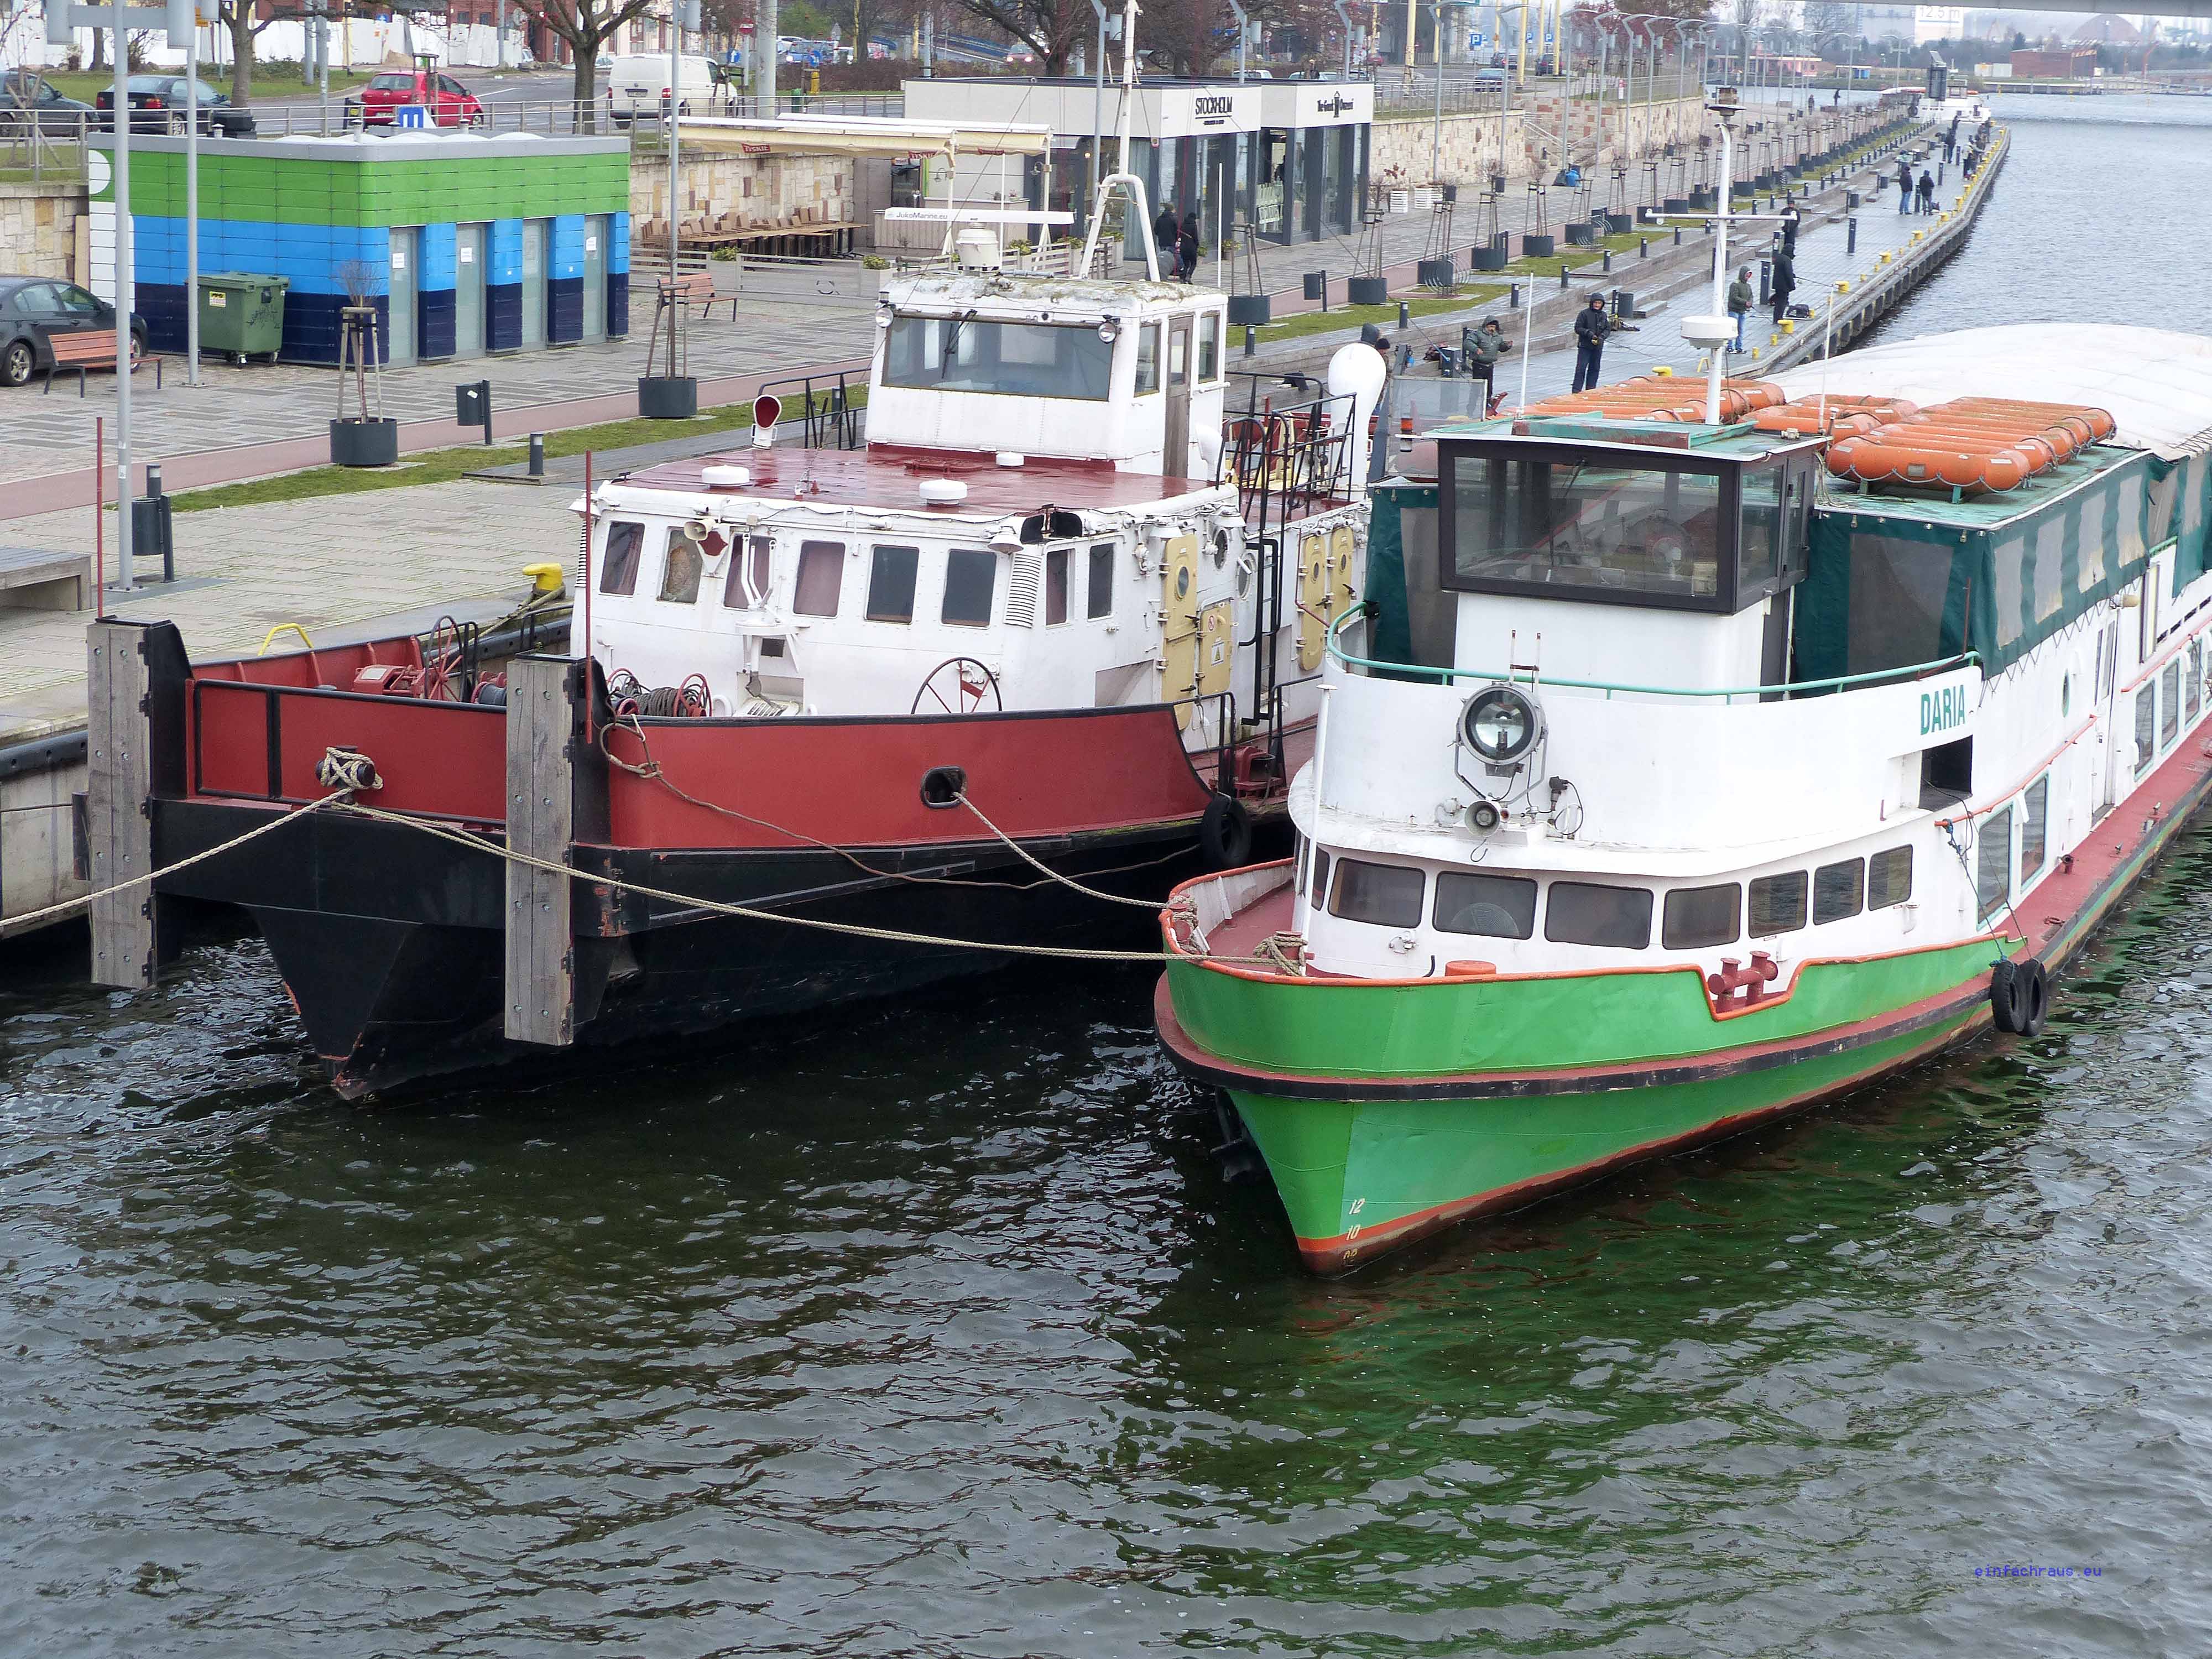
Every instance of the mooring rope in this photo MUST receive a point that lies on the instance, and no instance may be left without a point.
(1026, 857)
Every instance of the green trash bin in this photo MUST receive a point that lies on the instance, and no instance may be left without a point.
(241, 315)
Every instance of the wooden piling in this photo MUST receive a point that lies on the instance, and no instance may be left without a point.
(544, 705)
(119, 823)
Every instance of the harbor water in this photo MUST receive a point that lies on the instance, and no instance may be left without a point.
(933, 1330)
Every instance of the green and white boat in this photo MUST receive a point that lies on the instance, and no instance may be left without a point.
(1667, 783)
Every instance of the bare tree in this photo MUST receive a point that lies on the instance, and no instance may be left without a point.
(585, 26)
(239, 16)
(1053, 29)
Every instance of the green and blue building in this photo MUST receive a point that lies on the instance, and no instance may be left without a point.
(466, 244)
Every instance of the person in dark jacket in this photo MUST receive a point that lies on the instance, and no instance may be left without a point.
(1785, 280)
(1164, 231)
(1951, 142)
(1481, 348)
(1590, 329)
(1927, 191)
(1905, 187)
(1187, 247)
(1740, 301)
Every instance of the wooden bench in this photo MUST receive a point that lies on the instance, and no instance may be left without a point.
(82, 351)
(33, 579)
(697, 289)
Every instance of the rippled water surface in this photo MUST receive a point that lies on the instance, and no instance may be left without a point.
(934, 1332)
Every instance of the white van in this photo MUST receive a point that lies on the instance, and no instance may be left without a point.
(637, 85)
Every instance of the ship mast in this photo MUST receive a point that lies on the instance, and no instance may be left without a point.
(1128, 181)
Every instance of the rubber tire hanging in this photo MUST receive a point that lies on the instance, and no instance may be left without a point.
(1224, 834)
(2020, 996)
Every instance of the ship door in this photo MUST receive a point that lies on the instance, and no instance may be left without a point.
(1341, 592)
(1313, 599)
(1175, 455)
(1217, 647)
(2103, 752)
(1179, 628)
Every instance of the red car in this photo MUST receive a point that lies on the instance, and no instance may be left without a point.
(445, 103)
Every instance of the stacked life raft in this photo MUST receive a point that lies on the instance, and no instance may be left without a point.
(1969, 445)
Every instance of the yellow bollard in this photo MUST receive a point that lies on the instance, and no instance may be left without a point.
(1789, 325)
(1663, 372)
(1843, 285)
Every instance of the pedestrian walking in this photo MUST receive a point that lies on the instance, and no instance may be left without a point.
(1905, 187)
(1590, 330)
(1740, 299)
(1785, 279)
(1480, 349)
(1163, 236)
(1187, 247)
(1927, 191)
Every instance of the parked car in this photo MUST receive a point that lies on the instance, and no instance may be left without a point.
(159, 104)
(33, 309)
(446, 102)
(26, 100)
(638, 85)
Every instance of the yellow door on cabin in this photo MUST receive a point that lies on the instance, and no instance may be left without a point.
(1313, 599)
(1179, 628)
(1217, 647)
(1341, 580)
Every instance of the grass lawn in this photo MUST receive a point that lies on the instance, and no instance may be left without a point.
(1339, 316)
(443, 465)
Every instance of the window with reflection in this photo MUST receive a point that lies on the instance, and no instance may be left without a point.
(618, 563)
(820, 575)
(1585, 526)
(1838, 890)
(1586, 913)
(890, 584)
(1497, 907)
(970, 573)
(1699, 916)
(1022, 360)
(744, 584)
(1889, 879)
(1383, 895)
(1056, 562)
(1758, 551)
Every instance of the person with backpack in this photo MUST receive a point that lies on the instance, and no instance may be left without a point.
(1164, 231)
(1187, 247)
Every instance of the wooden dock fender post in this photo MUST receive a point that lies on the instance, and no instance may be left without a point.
(134, 750)
(545, 742)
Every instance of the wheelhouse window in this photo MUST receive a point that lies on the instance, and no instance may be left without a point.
(680, 571)
(1497, 907)
(1383, 895)
(1148, 359)
(1889, 879)
(1584, 912)
(1056, 562)
(744, 584)
(1698, 916)
(2034, 814)
(1101, 601)
(1578, 527)
(821, 577)
(1758, 550)
(1777, 904)
(1838, 890)
(970, 573)
(1016, 360)
(1209, 348)
(619, 563)
(890, 584)
(1993, 860)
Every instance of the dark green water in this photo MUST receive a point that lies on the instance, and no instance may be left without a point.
(935, 1333)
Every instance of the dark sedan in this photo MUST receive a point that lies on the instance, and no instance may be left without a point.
(33, 309)
(158, 105)
(26, 100)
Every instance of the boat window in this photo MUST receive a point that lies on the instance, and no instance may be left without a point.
(1758, 551)
(753, 569)
(968, 573)
(1102, 580)
(679, 572)
(2195, 679)
(2034, 810)
(1500, 907)
(1178, 357)
(1148, 358)
(1900, 590)
(1993, 860)
(1056, 561)
(820, 575)
(2146, 726)
(1889, 878)
(1021, 360)
(1636, 531)
(1584, 913)
(619, 563)
(1209, 346)
(890, 584)
(1777, 904)
(1838, 890)
(1321, 870)
(1703, 915)
(1385, 895)
(2169, 700)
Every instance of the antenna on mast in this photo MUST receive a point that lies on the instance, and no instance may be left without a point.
(1129, 181)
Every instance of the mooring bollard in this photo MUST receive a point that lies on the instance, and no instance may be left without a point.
(1608, 262)
(1251, 340)
(1404, 314)
(1851, 234)
(1643, 247)
(1513, 299)
(536, 454)
(1678, 236)
(1563, 273)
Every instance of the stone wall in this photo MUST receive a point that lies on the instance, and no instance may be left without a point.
(38, 230)
(741, 192)
(1538, 137)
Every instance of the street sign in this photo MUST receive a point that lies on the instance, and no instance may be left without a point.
(409, 115)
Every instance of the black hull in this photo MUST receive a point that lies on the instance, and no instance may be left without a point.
(389, 941)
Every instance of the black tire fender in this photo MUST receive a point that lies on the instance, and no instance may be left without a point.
(1224, 834)
(2008, 994)
(2035, 982)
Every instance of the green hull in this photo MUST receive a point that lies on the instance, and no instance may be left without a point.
(1361, 1177)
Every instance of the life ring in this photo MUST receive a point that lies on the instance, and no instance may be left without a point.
(2020, 996)
(1224, 834)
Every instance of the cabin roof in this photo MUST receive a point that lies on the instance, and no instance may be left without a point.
(1653, 440)
(1014, 293)
(888, 476)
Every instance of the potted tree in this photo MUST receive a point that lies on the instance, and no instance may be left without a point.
(361, 439)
